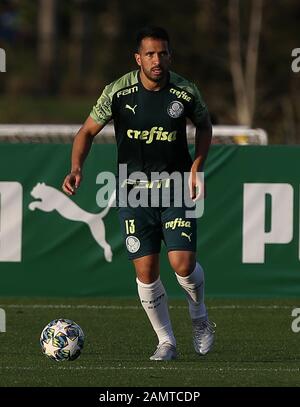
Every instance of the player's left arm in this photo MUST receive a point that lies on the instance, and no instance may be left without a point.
(203, 138)
(201, 118)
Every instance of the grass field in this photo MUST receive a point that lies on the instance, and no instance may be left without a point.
(254, 346)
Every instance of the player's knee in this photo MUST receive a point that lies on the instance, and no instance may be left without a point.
(182, 265)
(147, 276)
(146, 271)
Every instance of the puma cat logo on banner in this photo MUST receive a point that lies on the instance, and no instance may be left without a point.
(51, 199)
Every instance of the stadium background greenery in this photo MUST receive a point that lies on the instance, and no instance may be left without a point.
(57, 66)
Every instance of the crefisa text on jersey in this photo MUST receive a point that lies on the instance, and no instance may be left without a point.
(150, 396)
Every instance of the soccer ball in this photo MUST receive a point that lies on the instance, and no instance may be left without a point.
(62, 339)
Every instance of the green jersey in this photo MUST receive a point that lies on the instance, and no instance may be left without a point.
(150, 126)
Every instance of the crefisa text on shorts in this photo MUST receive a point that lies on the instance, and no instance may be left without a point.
(2, 321)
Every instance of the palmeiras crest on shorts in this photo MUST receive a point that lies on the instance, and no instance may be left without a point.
(133, 244)
(175, 109)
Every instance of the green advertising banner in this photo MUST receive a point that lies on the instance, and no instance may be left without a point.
(54, 245)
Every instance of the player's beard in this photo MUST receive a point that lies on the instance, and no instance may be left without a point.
(155, 77)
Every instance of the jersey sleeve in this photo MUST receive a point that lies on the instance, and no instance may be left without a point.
(199, 109)
(102, 110)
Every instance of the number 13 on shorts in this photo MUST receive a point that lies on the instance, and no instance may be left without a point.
(130, 226)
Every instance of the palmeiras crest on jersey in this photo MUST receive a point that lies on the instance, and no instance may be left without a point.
(133, 244)
(175, 109)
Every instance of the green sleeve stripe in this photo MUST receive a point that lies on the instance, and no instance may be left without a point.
(101, 112)
(182, 83)
(199, 110)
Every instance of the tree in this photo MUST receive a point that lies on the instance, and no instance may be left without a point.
(244, 77)
(47, 33)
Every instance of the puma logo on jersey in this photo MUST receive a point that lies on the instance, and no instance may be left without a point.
(131, 108)
(186, 235)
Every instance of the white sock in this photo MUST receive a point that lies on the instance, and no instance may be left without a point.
(154, 301)
(193, 286)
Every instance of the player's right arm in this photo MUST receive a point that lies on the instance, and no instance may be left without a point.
(81, 147)
(100, 115)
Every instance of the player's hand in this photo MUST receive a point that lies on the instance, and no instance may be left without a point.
(196, 185)
(72, 182)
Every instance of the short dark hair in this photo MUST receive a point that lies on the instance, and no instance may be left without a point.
(152, 32)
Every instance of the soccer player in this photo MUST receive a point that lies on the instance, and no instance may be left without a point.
(150, 107)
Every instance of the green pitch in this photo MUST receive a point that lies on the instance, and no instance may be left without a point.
(255, 345)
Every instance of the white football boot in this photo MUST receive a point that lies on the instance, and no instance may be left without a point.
(203, 335)
(164, 351)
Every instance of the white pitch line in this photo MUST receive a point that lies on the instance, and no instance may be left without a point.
(68, 306)
(201, 369)
(136, 307)
(253, 306)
